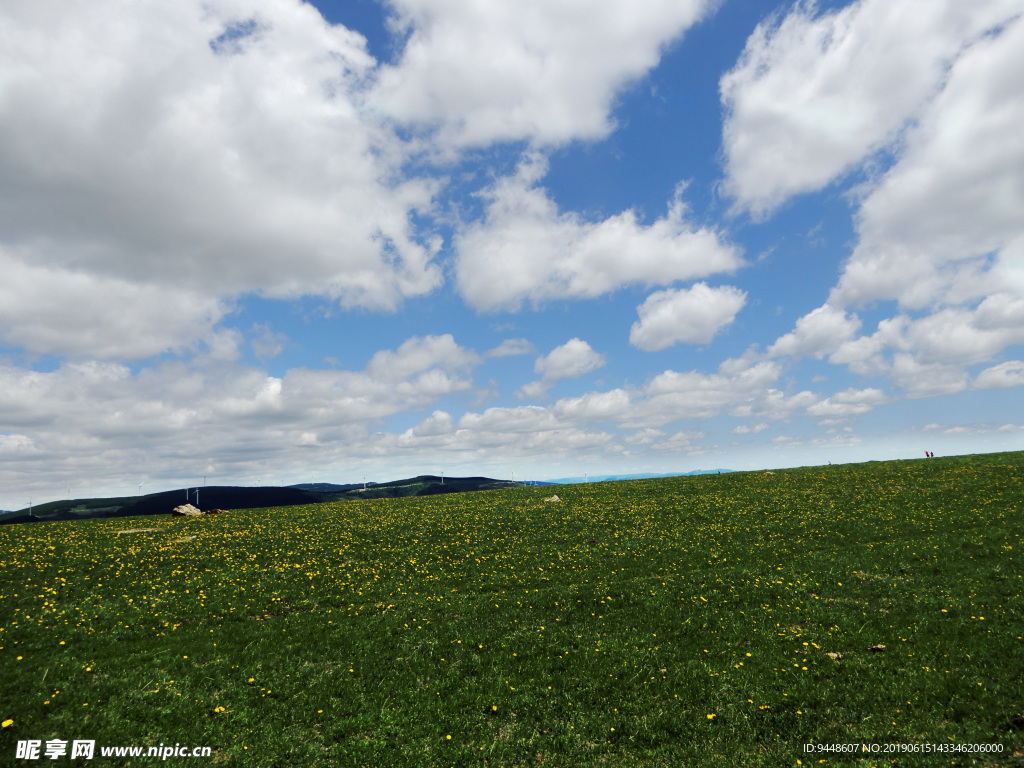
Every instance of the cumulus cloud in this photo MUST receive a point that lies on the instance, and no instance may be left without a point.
(818, 333)
(1008, 374)
(215, 148)
(568, 361)
(526, 250)
(613, 405)
(849, 402)
(939, 232)
(87, 417)
(943, 225)
(693, 315)
(574, 358)
(420, 354)
(267, 344)
(742, 386)
(545, 71)
(954, 336)
(926, 379)
(511, 347)
(438, 423)
(813, 93)
(751, 429)
(55, 311)
(673, 395)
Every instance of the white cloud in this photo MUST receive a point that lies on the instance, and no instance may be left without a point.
(574, 358)
(50, 310)
(419, 354)
(815, 93)
(510, 347)
(103, 419)
(774, 404)
(645, 436)
(934, 345)
(438, 423)
(752, 429)
(817, 333)
(1008, 374)
(268, 344)
(943, 225)
(927, 379)
(526, 250)
(613, 405)
(674, 395)
(692, 315)
(849, 402)
(679, 442)
(940, 231)
(544, 71)
(568, 361)
(141, 157)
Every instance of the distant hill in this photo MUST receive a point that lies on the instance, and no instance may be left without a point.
(247, 497)
(641, 476)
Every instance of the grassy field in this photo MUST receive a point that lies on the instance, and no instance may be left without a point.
(719, 620)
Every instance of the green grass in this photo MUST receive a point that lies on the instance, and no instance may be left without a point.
(712, 620)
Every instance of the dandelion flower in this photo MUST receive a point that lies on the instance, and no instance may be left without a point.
(711, 716)
(7, 723)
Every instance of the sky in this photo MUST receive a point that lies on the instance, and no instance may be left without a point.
(273, 242)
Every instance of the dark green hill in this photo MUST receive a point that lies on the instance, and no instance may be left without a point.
(247, 497)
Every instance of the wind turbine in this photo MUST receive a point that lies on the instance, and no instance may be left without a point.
(140, 487)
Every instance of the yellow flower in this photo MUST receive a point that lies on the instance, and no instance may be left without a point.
(7, 723)
(711, 716)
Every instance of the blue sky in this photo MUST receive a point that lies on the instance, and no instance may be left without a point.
(270, 241)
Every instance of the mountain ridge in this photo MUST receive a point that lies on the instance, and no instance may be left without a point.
(230, 497)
